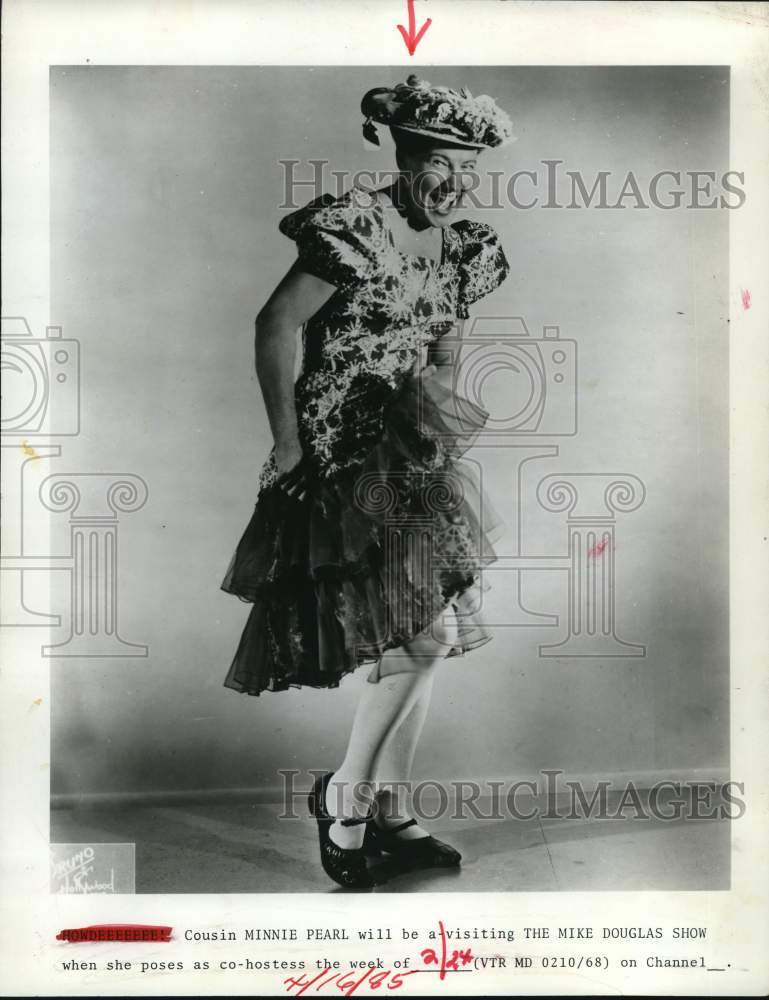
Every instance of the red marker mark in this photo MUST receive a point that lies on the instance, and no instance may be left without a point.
(412, 37)
(745, 298)
(459, 956)
(597, 549)
(116, 932)
(347, 982)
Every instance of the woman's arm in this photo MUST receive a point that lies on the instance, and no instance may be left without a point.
(297, 297)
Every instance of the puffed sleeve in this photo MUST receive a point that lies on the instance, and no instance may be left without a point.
(333, 240)
(483, 266)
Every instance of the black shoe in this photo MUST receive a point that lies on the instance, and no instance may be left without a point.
(345, 865)
(419, 852)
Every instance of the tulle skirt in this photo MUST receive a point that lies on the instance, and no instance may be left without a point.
(375, 552)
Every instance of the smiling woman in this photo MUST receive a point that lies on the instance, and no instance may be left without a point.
(434, 175)
(367, 437)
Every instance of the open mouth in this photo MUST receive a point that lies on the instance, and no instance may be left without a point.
(443, 200)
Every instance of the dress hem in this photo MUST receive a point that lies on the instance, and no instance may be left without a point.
(335, 682)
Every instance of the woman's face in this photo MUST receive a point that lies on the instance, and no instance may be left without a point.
(435, 180)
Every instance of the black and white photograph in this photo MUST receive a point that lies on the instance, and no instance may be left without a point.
(370, 519)
(473, 546)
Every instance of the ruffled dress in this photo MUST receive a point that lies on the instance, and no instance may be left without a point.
(394, 525)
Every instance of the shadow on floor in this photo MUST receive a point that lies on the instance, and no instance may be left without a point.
(244, 847)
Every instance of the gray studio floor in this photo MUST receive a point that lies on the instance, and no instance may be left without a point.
(243, 847)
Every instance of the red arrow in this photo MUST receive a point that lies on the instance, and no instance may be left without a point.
(412, 37)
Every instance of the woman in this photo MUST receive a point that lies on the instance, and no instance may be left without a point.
(368, 537)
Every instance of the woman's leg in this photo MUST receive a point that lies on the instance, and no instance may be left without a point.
(405, 675)
(382, 707)
(394, 763)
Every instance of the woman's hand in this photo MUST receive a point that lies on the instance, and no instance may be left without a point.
(470, 601)
(289, 461)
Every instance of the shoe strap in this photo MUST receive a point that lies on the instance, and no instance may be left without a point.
(353, 822)
(401, 826)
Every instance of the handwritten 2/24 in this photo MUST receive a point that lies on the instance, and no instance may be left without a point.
(374, 978)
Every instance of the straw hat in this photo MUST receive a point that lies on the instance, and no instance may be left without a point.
(454, 116)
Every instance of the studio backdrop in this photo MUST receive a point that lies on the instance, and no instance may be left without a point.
(606, 455)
